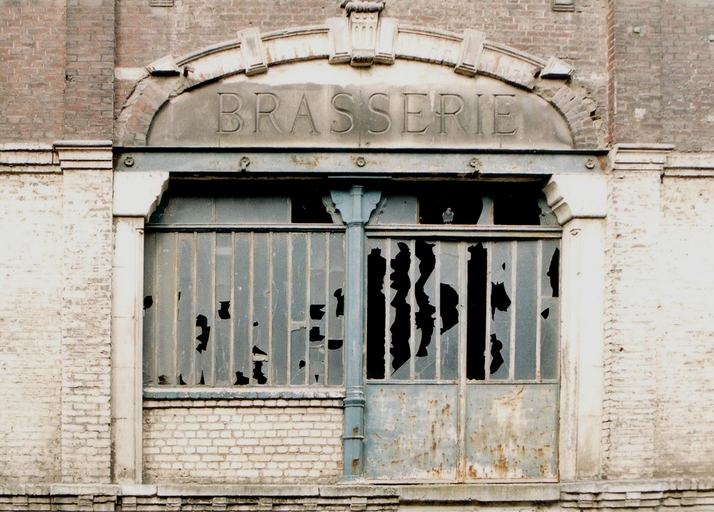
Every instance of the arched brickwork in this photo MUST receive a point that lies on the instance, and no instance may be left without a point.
(468, 54)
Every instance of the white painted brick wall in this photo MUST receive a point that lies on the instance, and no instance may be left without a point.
(86, 325)
(631, 332)
(30, 330)
(659, 419)
(251, 441)
(684, 439)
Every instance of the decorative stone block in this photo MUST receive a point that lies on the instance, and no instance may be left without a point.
(255, 59)
(470, 54)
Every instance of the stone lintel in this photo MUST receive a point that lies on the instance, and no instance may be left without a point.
(84, 154)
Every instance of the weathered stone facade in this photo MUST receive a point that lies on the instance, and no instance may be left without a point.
(105, 105)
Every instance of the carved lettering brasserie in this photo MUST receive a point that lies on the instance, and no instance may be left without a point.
(452, 114)
(378, 113)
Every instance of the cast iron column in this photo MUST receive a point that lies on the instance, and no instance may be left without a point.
(355, 206)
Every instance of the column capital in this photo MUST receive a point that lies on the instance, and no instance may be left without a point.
(356, 204)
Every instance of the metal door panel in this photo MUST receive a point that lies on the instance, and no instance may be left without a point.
(412, 432)
(511, 431)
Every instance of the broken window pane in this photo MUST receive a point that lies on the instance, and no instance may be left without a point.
(236, 306)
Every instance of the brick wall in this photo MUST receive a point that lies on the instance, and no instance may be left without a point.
(30, 334)
(685, 381)
(660, 332)
(631, 335)
(89, 91)
(266, 441)
(664, 62)
(86, 255)
(32, 48)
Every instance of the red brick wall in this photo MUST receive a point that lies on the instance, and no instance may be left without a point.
(32, 79)
(664, 64)
(89, 91)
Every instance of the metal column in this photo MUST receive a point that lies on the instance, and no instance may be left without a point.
(355, 206)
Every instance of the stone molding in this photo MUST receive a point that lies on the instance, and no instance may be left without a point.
(689, 165)
(640, 157)
(84, 154)
(57, 157)
(467, 53)
(26, 154)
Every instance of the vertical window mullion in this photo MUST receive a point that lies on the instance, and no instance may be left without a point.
(539, 270)
(489, 280)
(413, 345)
(437, 314)
(387, 311)
(512, 317)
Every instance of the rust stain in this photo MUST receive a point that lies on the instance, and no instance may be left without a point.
(602, 161)
(501, 465)
(355, 465)
(445, 409)
(437, 472)
(355, 431)
(472, 473)
(302, 161)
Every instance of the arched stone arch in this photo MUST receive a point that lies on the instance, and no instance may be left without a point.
(469, 54)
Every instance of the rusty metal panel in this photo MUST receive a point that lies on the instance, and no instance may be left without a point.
(412, 432)
(511, 431)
